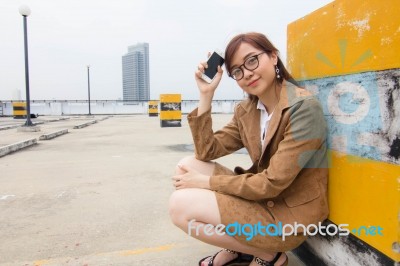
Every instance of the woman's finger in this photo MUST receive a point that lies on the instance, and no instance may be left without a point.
(198, 74)
(178, 185)
(184, 167)
(204, 64)
(176, 178)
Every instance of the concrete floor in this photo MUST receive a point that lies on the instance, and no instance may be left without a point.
(97, 195)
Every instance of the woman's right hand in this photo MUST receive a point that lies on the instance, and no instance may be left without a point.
(206, 88)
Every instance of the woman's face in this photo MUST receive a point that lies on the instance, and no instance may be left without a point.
(259, 80)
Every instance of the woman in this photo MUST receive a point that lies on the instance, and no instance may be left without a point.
(283, 129)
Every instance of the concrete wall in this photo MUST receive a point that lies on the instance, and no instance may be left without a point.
(348, 54)
(108, 107)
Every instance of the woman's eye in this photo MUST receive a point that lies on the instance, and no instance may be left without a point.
(251, 61)
(236, 72)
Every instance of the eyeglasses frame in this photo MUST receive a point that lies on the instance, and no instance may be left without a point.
(244, 66)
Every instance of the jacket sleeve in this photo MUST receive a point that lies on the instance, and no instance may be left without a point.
(302, 146)
(211, 145)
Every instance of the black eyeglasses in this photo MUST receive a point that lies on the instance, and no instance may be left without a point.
(250, 64)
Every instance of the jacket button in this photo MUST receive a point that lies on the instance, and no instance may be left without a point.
(270, 203)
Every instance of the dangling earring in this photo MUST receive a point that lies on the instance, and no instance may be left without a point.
(277, 72)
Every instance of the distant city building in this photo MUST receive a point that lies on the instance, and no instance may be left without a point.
(136, 73)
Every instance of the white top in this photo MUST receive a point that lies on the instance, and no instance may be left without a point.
(264, 120)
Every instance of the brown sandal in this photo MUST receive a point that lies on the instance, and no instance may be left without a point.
(272, 262)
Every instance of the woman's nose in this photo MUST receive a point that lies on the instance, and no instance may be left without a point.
(247, 73)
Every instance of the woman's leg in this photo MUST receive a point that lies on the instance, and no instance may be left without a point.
(206, 168)
(192, 209)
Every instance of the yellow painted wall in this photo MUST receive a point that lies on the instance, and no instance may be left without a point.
(365, 192)
(345, 37)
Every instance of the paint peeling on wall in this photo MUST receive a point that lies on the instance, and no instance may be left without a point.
(363, 113)
(344, 251)
(386, 41)
(360, 26)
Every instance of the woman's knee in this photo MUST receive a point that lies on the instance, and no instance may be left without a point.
(176, 206)
(188, 160)
(198, 204)
(200, 166)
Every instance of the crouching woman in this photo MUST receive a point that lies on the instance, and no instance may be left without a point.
(283, 129)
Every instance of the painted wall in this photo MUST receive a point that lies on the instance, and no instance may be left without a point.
(348, 54)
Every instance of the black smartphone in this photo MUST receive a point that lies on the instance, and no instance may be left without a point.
(213, 62)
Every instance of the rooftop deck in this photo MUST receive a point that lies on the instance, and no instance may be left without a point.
(97, 195)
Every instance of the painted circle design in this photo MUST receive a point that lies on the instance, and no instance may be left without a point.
(360, 97)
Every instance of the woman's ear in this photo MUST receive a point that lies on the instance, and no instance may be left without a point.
(274, 57)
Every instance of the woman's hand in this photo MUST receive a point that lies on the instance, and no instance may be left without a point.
(191, 179)
(204, 87)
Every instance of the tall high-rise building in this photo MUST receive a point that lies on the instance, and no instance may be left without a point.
(136, 73)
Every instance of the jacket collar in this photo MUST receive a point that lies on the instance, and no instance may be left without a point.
(289, 95)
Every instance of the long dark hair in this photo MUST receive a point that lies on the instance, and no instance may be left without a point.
(260, 41)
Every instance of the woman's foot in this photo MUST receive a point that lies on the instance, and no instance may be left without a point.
(281, 259)
(225, 257)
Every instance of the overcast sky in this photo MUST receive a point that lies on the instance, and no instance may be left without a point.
(65, 36)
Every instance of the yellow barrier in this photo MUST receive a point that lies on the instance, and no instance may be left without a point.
(19, 109)
(153, 108)
(170, 114)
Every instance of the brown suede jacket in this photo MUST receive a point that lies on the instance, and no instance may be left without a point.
(289, 175)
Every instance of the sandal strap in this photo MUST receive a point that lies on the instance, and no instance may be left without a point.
(211, 261)
(230, 251)
(267, 263)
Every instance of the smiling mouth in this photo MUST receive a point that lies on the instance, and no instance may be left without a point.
(253, 83)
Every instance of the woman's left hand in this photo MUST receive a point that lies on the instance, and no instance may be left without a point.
(191, 179)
